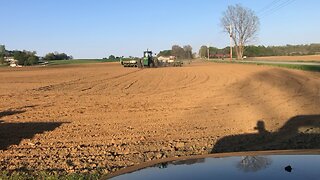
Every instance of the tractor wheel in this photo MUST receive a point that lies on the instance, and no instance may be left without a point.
(155, 63)
(139, 64)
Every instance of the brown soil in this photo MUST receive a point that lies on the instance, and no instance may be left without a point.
(315, 58)
(81, 118)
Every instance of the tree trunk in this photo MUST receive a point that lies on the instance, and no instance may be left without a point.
(239, 51)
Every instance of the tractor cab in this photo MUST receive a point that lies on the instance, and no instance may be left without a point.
(147, 54)
(148, 60)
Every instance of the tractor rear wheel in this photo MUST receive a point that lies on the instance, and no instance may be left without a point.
(156, 64)
(139, 64)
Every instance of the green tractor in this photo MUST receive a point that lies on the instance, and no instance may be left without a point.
(148, 60)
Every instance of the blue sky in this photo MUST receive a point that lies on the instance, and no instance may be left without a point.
(98, 28)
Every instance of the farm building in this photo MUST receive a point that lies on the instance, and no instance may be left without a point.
(11, 61)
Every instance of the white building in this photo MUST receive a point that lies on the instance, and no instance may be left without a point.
(12, 62)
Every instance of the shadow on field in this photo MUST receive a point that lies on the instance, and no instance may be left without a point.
(14, 133)
(300, 132)
(10, 113)
(297, 88)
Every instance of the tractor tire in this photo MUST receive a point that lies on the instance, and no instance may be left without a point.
(156, 63)
(139, 64)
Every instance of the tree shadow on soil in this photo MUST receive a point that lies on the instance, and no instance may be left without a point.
(14, 133)
(299, 132)
(10, 113)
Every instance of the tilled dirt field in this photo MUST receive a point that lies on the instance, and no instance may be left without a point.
(103, 117)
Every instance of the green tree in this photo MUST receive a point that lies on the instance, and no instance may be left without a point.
(25, 58)
(214, 50)
(112, 57)
(57, 56)
(20, 57)
(49, 56)
(2, 59)
(2, 49)
(165, 53)
(32, 60)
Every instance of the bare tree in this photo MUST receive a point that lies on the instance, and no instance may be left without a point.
(177, 51)
(203, 52)
(182, 53)
(188, 51)
(242, 25)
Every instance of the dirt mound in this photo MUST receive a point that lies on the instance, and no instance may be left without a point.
(105, 117)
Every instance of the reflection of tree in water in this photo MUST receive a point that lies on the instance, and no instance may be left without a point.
(162, 165)
(253, 163)
(183, 162)
(189, 161)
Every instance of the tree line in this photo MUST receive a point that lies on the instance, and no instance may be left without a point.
(29, 58)
(258, 51)
(111, 58)
(179, 52)
(288, 50)
(26, 58)
(204, 51)
(57, 56)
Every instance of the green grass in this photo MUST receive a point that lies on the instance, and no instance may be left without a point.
(79, 61)
(295, 66)
(311, 61)
(305, 61)
(74, 61)
(46, 175)
(315, 68)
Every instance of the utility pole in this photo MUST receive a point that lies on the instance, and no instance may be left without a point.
(230, 31)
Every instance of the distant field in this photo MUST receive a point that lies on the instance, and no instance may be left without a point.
(78, 61)
(315, 58)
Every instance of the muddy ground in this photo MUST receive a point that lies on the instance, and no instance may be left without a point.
(103, 117)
